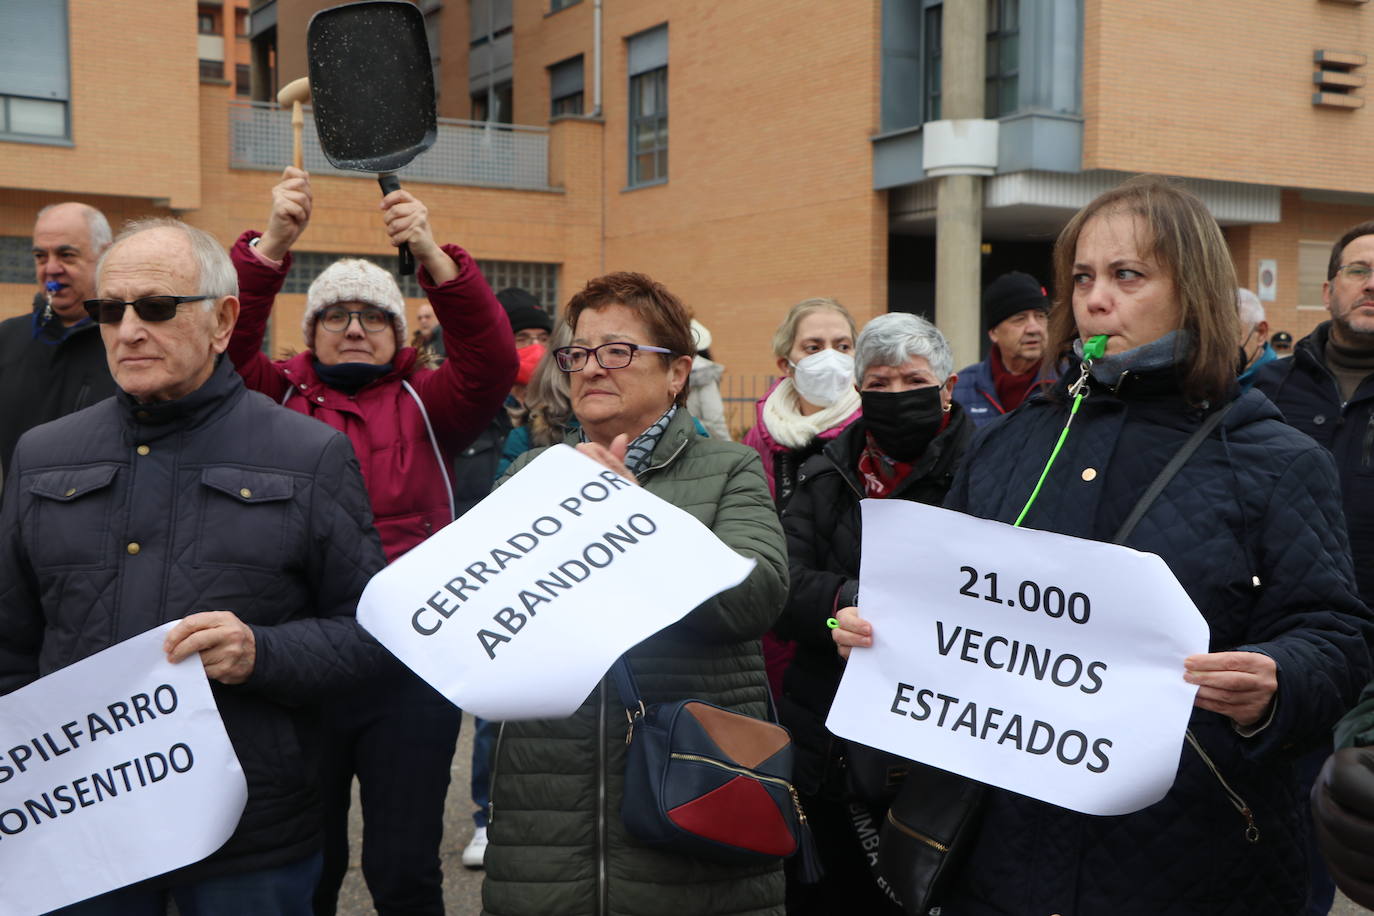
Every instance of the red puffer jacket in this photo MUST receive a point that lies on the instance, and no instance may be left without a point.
(407, 472)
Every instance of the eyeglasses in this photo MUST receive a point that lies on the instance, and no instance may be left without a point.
(1355, 273)
(372, 320)
(608, 356)
(148, 308)
(525, 338)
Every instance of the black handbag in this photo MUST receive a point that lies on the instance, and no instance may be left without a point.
(933, 820)
(709, 782)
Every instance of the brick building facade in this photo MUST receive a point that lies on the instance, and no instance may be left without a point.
(778, 147)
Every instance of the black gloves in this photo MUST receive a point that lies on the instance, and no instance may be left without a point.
(1343, 812)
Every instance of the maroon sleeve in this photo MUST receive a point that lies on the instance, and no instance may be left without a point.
(259, 284)
(465, 392)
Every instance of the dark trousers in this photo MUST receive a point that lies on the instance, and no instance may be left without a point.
(281, 891)
(398, 738)
(483, 746)
(849, 885)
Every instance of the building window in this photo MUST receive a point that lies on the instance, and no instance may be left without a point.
(243, 80)
(35, 81)
(648, 67)
(931, 39)
(493, 105)
(1003, 57)
(565, 87)
(556, 5)
(241, 23)
(433, 9)
(205, 24)
(211, 69)
(1313, 260)
(16, 259)
(491, 60)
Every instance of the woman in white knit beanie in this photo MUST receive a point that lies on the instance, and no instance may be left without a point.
(405, 421)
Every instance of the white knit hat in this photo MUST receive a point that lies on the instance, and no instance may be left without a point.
(700, 336)
(354, 280)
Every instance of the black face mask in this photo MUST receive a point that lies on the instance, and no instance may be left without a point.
(903, 422)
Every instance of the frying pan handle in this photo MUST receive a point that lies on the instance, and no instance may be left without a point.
(405, 261)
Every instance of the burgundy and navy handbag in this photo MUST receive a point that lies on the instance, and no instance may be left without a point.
(708, 782)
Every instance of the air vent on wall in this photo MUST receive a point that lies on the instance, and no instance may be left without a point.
(1337, 80)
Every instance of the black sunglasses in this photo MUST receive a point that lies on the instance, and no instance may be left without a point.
(148, 308)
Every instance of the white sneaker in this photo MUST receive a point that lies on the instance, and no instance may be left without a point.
(476, 850)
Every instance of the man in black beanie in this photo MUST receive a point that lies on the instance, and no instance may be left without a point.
(1015, 310)
(529, 321)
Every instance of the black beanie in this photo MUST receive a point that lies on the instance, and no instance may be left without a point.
(1011, 293)
(523, 310)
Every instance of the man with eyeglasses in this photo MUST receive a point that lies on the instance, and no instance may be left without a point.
(51, 360)
(1327, 390)
(187, 498)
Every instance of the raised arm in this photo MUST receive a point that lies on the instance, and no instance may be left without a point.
(261, 269)
(465, 392)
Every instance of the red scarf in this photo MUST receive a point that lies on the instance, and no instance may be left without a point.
(1011, 389)
(882, 473)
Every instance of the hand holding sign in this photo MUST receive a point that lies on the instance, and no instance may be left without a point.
(112, 770)
(518, 609)
(613, 457)
(853, 631)
(226, 645)
(1033, 661)
(1236, 684)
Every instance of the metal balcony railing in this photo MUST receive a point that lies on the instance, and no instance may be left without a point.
(465, 152)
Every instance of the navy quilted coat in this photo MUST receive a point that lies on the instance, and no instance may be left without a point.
(1307, 393)
(1252, 528)
(236, 505)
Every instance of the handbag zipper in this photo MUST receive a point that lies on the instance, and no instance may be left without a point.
(1252, 833)
(916, 835)
(491, 781)
(776, 780)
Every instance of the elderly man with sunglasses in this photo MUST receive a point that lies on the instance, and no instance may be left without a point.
(406, 422)
(186, 497)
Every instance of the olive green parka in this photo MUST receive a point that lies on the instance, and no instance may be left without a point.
(558, 846)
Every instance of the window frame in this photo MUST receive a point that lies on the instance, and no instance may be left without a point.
(572, 101)
(932, 56)
(995, 81)
(655, 122)
(646, 55)
(8, 135)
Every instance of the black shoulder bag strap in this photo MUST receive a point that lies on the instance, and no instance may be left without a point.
(1171, 470)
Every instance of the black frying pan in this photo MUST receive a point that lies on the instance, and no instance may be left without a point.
(372, 86)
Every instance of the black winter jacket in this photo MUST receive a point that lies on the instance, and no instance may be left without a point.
(824, 532)
(48, 376)
(1252, 528)
(1307, 393)
(236, 505)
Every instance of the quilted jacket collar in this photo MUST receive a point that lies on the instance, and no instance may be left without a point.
(150, 421)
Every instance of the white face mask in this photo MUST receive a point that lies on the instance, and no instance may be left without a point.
(822, 378)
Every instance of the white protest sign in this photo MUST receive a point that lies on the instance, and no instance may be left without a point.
(1041, 663)
(518, 609)
(112, 770)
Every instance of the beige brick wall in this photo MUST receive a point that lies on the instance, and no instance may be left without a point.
(134, 108)
(1222, 90)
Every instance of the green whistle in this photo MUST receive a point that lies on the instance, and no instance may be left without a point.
(1095, 346)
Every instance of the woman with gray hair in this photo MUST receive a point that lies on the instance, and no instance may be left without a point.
(906, 445)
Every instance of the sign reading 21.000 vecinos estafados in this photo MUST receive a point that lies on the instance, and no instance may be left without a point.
(1041, 663)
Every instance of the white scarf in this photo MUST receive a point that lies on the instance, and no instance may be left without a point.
(783, 418)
